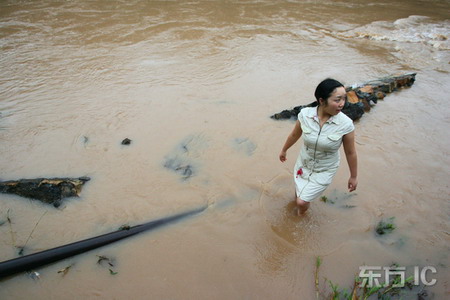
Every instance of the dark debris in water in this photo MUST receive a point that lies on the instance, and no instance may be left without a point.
(125, 227)
(108, 262)
(348, 206)
(102, 260)
(126, 142)
(21, 250)
(424, 295)
(65, 270)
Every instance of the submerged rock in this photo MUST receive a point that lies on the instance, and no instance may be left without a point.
(360, 98)
(126, 141)
(353, 110)
(47, 190)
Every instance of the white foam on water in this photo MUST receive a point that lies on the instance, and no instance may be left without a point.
(414, 29)
(415, 39)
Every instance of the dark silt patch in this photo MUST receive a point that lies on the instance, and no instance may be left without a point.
(244, 145)
(183, 159)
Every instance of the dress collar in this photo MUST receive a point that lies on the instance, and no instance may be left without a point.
(312, 114)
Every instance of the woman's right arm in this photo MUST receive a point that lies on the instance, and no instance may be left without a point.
(291, 140)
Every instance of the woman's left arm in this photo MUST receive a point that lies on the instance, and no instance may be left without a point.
(352, 160)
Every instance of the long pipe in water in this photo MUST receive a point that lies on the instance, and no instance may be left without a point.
(35, 260)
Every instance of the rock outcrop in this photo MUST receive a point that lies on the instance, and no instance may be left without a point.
(47, 190)
(360, 98)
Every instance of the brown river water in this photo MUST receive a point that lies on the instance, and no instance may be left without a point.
(194, 83)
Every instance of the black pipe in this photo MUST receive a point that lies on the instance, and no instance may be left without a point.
(29, 262)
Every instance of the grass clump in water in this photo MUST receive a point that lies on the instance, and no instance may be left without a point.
(394, 289)
(384, 227)
(325, 199)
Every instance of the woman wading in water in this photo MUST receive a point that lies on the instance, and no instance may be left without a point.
(324, 128)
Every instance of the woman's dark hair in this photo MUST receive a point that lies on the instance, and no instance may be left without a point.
(326, 88)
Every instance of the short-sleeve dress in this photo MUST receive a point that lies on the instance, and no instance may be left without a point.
(319, 156)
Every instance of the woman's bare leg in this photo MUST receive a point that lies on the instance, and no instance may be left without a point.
(302, 206)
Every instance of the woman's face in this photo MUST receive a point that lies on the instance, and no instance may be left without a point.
(334, 104)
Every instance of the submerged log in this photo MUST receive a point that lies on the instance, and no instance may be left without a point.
(47, 190)
(39, 259)
(360, 98)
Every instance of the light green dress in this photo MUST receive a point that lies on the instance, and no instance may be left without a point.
(319, 156)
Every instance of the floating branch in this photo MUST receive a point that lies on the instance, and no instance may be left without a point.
(47, 190)
(360, 98)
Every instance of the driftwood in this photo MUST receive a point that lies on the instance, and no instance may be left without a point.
(47, 190)
(360, 98)
(39, 259)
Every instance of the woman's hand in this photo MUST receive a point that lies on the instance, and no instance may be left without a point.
(352, 183)
(283, 156)
(291, 140)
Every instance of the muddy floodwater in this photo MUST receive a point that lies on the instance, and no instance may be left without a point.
(192, 84)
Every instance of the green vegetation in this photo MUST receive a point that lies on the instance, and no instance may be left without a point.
(65, 270)
(360, 291)
(102, 260)
(384, 227)
(325, 199)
